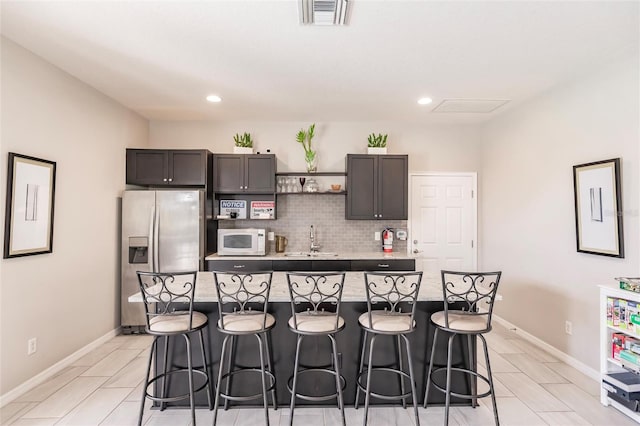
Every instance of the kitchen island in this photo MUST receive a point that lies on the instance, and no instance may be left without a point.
(316, 350)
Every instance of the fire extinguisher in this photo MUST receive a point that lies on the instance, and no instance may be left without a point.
(387, 240)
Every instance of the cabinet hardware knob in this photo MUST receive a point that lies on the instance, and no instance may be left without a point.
(383, 265)
(238, 266)
(164, 180)
(415, 241)
(375, 215)
(170, 180)
(416, 251)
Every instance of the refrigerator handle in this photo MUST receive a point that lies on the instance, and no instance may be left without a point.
(152, 244)
(156, 241)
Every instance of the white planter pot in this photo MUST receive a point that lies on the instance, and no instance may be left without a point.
(380, 151)
(242, 150)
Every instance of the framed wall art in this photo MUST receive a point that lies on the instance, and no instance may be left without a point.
(598, 205)
(28, 226)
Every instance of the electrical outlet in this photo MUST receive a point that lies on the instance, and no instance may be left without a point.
(271, 236)
(32, 346)
(376, 236)
(568, 327)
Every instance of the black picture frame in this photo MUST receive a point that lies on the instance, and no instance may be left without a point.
(30, 202)
(597, 193)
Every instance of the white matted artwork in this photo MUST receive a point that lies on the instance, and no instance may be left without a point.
(598, 208)
(28, 226)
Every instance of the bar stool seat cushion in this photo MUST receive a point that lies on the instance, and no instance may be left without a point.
(385, 321)
(176, 322)
(310, 322)
(247, 322)
(461, 322)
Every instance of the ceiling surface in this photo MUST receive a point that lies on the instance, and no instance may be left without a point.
(162, 58)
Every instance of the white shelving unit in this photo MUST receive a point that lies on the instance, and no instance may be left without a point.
(607, 363)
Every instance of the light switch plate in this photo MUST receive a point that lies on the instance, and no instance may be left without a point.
(376, 236)
(271, 236)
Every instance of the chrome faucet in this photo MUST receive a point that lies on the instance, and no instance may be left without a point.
(314, 245)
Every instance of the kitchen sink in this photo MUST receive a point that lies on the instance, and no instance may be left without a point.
(297, 254)
(314, 254)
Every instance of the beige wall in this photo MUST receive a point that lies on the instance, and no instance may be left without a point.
(527, 204)
(432, 148)
(68, 298)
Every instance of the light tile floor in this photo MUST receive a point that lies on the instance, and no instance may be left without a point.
(104, 388)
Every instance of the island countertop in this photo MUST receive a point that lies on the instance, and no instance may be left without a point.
(378, 255)
(354, 291)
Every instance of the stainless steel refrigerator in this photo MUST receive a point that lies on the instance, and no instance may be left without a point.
(162, 231)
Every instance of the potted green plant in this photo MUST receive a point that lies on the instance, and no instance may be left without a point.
(243, 143)
(377, 144)
(304, 138)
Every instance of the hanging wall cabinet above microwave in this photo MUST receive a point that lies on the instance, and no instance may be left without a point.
(238, 173)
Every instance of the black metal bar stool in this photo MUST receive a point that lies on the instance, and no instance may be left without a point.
(315, 311)
(168, 304)
(471, 289)
(243, 300)
(391, 305)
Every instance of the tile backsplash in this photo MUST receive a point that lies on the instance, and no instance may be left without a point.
(326, 212)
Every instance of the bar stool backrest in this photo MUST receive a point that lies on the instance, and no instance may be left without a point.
(476, 291)
(243, 294)
(393, 293)
(316, 294)
(167, 293)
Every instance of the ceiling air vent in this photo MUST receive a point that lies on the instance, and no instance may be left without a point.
(470, 105)
(323, 12)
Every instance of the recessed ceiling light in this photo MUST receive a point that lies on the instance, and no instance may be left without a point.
(425, 101)
(214, 98)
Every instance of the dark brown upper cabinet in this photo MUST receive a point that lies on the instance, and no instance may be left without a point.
(236, 173)
(160, 167)
(377, 187)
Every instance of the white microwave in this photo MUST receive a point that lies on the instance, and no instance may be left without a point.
(242, 242)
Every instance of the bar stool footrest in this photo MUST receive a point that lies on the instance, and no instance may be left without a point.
(270, 387)
(383, 396)
(343, 385)
(176, 397)
(461, 395)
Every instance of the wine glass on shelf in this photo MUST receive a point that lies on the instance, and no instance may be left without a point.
(302, 181)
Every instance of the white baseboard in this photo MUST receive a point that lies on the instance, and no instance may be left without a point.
(55, 368)
(567, 359)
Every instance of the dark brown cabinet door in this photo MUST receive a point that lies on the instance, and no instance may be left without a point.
(188, 167)
(159, 167)
(147, 167)
(377, 187)
(235, 173)
(260, 173)
(362, 193)
(228, 172)
(393, 184)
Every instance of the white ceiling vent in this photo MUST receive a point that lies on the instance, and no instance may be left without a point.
(470, 105)
(323, 12)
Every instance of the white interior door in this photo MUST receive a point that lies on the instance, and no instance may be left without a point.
(443, 222)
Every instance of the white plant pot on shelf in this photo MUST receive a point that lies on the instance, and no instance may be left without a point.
(242, 150)
(380, 151)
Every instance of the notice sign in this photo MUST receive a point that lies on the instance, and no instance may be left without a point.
(239, 207)
(263, 209)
